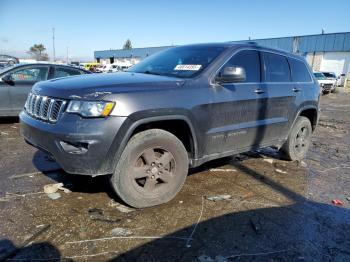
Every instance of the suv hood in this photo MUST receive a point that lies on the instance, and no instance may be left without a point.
(96, 86)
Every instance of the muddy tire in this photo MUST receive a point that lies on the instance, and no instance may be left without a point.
(151, 170)
(298, 142)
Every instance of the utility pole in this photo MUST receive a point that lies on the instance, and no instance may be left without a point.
(67, 56)
(53, 44)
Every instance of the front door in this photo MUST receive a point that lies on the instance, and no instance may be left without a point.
(235, 117)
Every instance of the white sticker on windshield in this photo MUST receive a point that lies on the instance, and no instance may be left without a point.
(188, 67)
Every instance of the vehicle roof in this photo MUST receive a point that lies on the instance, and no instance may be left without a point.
(245, 44)
(6, 69)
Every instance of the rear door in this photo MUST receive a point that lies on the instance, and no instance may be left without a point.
(281, 97)
(24, 78)
(303, 85)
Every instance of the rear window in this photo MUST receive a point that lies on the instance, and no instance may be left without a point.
(276, 68)
(63, 72)
(299, 71)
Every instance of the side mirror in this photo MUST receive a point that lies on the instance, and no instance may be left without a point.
(342, 75)
(232, 74)
(8, 80)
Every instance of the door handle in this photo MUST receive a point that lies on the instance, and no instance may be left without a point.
(296, 90)
(259, 91)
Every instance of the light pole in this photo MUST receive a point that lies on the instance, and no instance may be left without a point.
(53, 44)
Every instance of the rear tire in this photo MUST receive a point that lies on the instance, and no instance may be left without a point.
(298, 142)
(151, 170)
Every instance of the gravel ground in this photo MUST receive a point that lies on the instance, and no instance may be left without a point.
(265, 209)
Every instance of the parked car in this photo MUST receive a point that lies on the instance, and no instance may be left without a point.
(7, 60)
(176, 109)
(332, 76)
(16, 82)
(326, 85)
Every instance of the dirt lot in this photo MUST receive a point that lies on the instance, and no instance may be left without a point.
(272, 210)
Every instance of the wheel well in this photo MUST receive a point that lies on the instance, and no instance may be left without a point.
(178, 128)
(311, 114)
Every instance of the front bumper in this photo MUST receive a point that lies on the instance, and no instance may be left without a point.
(79, 145)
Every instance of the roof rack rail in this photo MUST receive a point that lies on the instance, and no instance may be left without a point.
(244, 42)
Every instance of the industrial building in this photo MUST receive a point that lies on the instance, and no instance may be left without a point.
(324, 52)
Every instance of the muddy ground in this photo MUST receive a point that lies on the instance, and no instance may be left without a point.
(276, 211)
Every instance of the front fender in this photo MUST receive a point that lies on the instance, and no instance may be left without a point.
(135, 120)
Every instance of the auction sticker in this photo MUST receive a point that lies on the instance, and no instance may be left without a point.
(188, 67)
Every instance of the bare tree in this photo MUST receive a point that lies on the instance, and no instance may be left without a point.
(127, 44)
(37, 51)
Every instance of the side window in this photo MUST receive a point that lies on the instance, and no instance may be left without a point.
(33, 74)
(299, 71)
(63, 72)
(276, 68)
(250, 61)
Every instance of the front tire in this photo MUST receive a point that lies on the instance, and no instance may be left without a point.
(151, 170)
(298, 142)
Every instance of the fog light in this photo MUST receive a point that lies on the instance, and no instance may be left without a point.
(74, 148)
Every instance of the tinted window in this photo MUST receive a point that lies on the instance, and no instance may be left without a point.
(33, 74)
(331, 75)
(250, 61)
(319, 76)
(63, 72)
(276, 68)
(299, 71)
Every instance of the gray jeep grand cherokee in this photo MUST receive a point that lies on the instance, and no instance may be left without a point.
(176, 109)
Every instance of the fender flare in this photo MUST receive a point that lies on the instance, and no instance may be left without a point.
(132, 127)
(298, 114)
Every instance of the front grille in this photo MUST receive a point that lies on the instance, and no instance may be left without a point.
(44, 108)
(327, 86)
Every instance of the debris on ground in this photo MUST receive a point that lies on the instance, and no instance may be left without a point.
(181, 202)
(53, 188)
(337, 202)
(222, 170)
(9, 195)
(95, 211)
(303, 164)
(4, 134)
(219, 198)
(54, 196)
(280, 171)
(121, 232)
(268, 160)
(120, 207)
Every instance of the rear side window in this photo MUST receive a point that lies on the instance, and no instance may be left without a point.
(63, 72)
(299, 71)
(250, 61)
(276, 68)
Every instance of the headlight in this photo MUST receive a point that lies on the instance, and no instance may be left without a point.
(90, 108)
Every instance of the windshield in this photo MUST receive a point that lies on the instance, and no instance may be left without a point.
(183, 62)
(330, 75)
(319, 76)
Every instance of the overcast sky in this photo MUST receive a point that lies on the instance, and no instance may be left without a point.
(86, 25)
